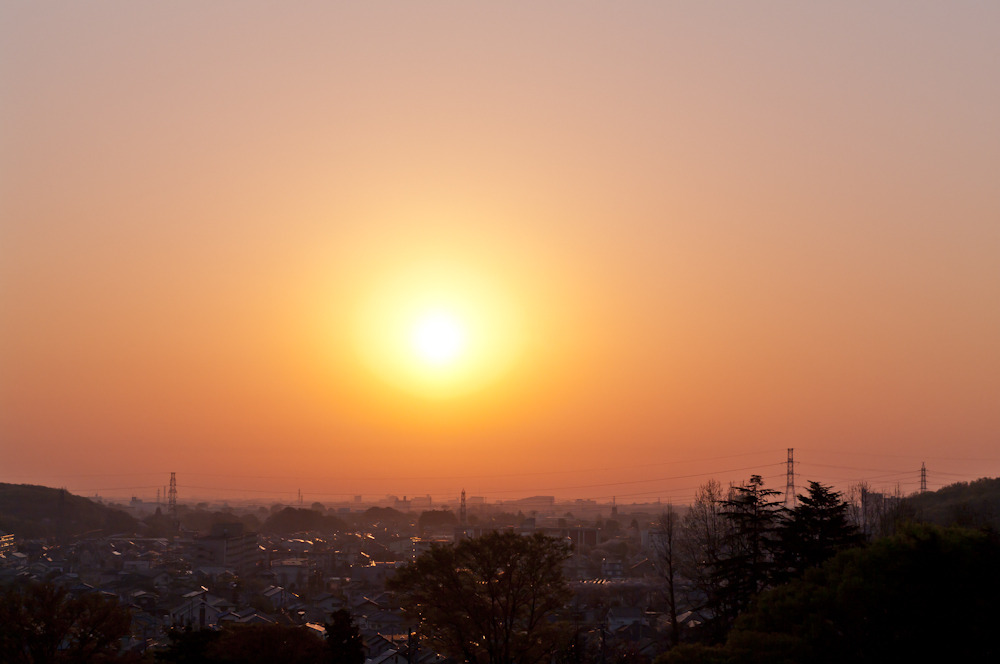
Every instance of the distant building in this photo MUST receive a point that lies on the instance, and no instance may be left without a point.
(292, 573)
(612, 568)
(424, 503)
(542, 504)
(227, 546)
(7, 546)
(198, 610)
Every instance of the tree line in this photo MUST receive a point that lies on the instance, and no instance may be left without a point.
(44, 623)
(729, 546)
(831, 580)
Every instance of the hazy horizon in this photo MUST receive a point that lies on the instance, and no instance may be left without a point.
(559, 249)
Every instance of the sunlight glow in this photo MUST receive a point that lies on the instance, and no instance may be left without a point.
(438, 330)
(439, 338)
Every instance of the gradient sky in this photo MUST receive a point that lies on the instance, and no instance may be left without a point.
(698, 233)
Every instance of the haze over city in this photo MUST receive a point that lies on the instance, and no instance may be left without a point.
(567, 249)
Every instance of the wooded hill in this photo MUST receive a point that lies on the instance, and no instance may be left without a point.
(31, 511)
(972, 504)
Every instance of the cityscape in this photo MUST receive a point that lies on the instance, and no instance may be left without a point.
(181, 568)
(499, 333)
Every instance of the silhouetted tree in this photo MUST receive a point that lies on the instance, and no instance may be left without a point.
(876, 513)
(817, 528)
(40, 622)
(437, 519)
(973, 504)
(688, 653)
(293, 519)
(187, 646)
(160, 525)
(889, 602)
(703, 535)
(488, 600)
(266, 644)
(385, 515)
(246, 644)
(344, 639)
(669, 559)
(747, 564)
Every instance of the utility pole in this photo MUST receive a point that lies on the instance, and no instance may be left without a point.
(790, 481)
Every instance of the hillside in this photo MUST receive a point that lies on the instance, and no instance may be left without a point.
(31, 511)
(973, 504)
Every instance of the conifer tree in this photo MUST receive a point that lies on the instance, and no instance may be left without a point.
(816, 529)
(747, 564)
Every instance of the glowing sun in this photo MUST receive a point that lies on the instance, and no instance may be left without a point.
(439, 338)
(438, 332)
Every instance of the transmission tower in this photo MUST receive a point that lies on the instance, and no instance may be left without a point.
(923, 477)
(790, 481)
(462, 514)
(172, 497)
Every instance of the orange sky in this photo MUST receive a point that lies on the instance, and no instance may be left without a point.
(698, 235)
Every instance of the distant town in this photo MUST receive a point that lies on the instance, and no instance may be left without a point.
(205, 565)
(180, 568)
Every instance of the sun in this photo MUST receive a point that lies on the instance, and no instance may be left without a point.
(438, 332)
(438, 338)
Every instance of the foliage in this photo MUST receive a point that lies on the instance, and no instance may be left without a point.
(971, 504)
(246, 644)
(669, 563)
(817, 528)
(746, 565)
(188, 647)
(488, 599)
(32, 511)
(265, 644)
(344, 639)
(290, 520)
(202, 520)
(696, 653)
(877, 514)
(505, 519)
(925, 594)
(703, 534)
(42, 623)
(159, 524)
(437, 519)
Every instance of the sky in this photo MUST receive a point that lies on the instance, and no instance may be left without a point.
(669, 241)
